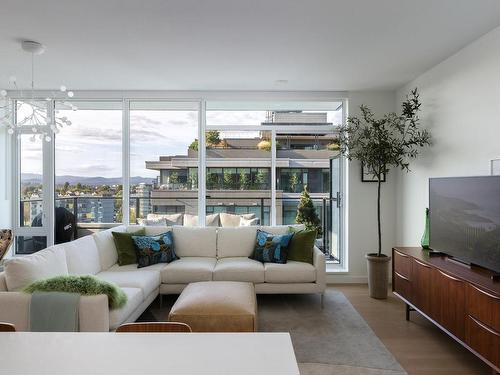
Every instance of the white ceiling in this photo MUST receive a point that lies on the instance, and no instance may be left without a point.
(236, 44)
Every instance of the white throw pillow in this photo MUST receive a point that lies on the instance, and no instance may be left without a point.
(229, 220)
(192, 220)
(22, 271)
(152, 222)
(248, 222)
(170, 219)
(212, 220)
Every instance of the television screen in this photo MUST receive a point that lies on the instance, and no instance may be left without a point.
(464, 216)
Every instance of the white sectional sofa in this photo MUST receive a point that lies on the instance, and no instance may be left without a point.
(206, 254)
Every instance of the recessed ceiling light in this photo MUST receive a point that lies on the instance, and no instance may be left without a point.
(281, 81)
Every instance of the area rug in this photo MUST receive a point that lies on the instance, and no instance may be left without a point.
(332, 340)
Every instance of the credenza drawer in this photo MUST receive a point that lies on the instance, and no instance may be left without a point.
(483, 339)
(402, 264)
(402, 286)
(484, 307)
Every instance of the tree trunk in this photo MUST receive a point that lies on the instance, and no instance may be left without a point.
(379, 183)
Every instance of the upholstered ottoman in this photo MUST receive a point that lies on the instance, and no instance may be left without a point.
(217, 306)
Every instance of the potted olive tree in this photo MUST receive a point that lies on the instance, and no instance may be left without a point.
(380, 144)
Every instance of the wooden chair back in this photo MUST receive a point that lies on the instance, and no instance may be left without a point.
(154, 327)
(7, 327)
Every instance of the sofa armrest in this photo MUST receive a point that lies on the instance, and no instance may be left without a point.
(15, 309)
(3, 283)
(319, 263)
(93, 312)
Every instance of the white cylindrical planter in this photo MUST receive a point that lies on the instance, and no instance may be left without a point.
(378, 275)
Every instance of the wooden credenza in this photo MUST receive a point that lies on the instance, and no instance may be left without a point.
(463, 301)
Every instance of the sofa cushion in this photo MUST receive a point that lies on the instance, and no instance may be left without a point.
(236, 242)
(154, 231)
(188, 270)
(154, 249)
(195, 242)
(22, 271)
(146, 280)
(133, 268)
(239, 269)
(291, 272)
(119, 316)
(282, 229)
(82, 256)
(106, 246)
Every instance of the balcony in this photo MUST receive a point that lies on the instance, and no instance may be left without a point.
(97, 213)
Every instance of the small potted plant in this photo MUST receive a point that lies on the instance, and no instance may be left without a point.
(380, 144)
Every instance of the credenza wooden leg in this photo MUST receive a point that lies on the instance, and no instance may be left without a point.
(408, 310)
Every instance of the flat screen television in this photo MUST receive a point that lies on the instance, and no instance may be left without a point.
(464, 219)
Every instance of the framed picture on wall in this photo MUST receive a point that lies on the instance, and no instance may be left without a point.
(495, 167)
(368, 177)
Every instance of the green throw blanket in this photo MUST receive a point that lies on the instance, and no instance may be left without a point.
(54, 312)
(85, 285)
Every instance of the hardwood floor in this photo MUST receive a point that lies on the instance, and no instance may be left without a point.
(418, 345)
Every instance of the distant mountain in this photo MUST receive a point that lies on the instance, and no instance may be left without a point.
(33, 178)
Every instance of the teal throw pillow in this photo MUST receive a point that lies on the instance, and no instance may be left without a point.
(271, 248)
(154, 249)
(86, 285)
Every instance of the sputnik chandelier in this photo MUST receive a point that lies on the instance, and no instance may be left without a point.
(30, 113)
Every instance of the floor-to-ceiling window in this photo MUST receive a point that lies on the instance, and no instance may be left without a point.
(163, 159)
(88, 167)
(127, 160)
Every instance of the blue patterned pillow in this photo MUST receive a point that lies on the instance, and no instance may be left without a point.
(271, 247)
(154, 249)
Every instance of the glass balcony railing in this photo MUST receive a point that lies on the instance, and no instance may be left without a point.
(92, 214)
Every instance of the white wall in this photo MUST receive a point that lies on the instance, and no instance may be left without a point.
(461, 107)
(362, 222)
(5, 208)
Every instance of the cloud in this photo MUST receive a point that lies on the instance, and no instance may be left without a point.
(95, 170)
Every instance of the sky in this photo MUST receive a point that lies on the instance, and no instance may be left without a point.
(91, 146)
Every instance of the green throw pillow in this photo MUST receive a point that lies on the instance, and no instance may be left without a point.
(301, 247)
(125, 246)
(85, 285)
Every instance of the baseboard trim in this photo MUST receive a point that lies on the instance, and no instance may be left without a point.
(346, 279)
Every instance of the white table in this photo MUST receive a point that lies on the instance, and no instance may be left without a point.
(29, 353)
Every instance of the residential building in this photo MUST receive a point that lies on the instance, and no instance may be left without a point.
(239, 174)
